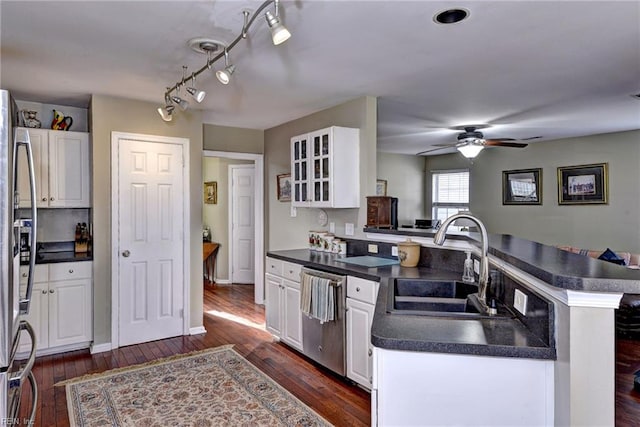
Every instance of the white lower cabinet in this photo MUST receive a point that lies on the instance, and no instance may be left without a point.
(283, 315)
(361, 298)
(60, 309)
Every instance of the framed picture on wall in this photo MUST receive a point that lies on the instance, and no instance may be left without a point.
(381, 187)
(284, 187)
(211, 192)
(583, 184)
(522, 187)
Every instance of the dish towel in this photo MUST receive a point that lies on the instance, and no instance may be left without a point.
(317, 298)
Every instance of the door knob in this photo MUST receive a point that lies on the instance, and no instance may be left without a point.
(126, 254)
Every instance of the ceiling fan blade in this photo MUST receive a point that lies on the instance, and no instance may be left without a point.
(497, 143)
(503, 139)
(434, 149)
(446, 145)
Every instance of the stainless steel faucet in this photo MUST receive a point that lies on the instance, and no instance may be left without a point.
(483, 280)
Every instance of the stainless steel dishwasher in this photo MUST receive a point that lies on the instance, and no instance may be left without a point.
(325, 342)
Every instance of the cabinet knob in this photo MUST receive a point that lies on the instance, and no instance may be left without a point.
(51, 291)
(71, 270)
(370, 352)
(52, 199)
(358, 289)
(126, 254)
(24, 274)
(44, 199)
(44, 291)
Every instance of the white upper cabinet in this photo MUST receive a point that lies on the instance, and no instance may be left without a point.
(61, 166)
(325, 168)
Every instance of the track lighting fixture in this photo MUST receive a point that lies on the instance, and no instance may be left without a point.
(279, 34)
(224, 76)
(197, 94)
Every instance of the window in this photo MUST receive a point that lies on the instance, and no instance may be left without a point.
(450, 193)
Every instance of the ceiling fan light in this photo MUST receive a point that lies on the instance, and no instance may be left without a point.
(197, 94)
(471, 150)
(224, 76)
(279, 33)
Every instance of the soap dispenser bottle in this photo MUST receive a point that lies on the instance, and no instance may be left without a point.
(467, 271)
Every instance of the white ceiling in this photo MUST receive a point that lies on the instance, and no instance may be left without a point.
(530, 68)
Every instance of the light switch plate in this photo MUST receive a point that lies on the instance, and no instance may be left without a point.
(373, 249)
(348, 229)
(394, 251)
(293, 212)
(332, 227)
(520, 301)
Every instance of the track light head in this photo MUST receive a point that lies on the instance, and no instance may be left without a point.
(279, 33)
(166, 112)
(224, 76)
(197, 94)
(180, 102)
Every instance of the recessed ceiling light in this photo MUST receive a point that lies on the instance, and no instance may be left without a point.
(206, 45)
(635, 95)
(450, 16)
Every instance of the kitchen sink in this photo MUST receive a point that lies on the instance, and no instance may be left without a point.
(436, 298)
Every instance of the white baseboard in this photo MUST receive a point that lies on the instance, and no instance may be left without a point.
(223, 281)
(100, 348)
(197, 330)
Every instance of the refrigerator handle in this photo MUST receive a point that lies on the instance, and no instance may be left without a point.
(22, 138)
(34, 399)
(24, 372)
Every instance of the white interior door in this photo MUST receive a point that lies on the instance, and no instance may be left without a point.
(150, 240)
(242, 223)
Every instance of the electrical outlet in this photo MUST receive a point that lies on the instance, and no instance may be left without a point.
(332, 227)
(373, 249)
(348, 229)
(520, 301)
(476, 266)
(394, 251)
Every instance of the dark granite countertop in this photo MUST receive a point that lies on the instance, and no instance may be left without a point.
(55, 252)
(554, 266)
(504, 337)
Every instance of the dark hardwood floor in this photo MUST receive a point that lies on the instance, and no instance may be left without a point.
(230, 317)
(627, 399)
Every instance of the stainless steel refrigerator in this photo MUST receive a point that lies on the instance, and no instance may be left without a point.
(14, 374)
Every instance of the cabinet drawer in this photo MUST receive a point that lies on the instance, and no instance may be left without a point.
(274, 266)
(291, 271)
(69, 271)
(362, 290)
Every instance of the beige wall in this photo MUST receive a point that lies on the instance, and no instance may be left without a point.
(405, 180)
(615, 225)
(110, 114)
(216, 216)
(285, 232)
(233, 139)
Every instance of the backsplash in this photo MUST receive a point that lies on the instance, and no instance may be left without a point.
(59, 225)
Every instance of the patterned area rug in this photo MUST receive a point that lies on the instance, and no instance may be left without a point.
(215, 387)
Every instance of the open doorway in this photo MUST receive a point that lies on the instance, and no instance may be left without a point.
(218, 216)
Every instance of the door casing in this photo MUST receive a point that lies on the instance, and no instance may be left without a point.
(258, 161)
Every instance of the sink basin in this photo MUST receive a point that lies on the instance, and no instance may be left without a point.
(435, 298)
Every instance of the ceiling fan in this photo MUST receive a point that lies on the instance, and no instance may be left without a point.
(472, 141)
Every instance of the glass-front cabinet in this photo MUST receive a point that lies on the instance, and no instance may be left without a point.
(299, 166)
(325, 168)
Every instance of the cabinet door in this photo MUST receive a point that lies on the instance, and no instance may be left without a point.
(69, 169)
(273, 304)
(38, 318)
(300, 170)
(292, 315)
(39, 142)
(69, 312)
(359, 350)
(321, 177)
